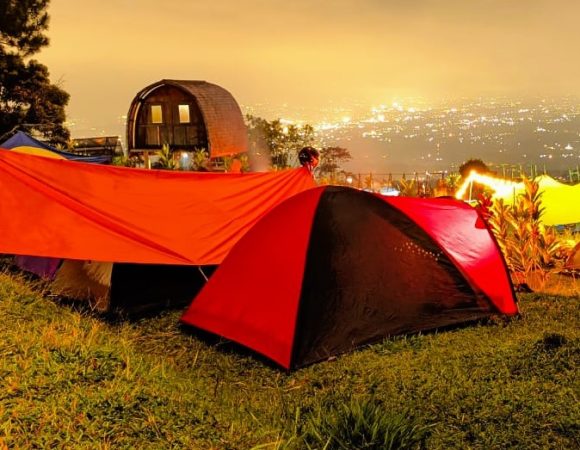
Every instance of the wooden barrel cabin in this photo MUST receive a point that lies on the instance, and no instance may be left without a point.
(187, 115)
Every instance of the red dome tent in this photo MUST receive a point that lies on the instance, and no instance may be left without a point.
(333, 268)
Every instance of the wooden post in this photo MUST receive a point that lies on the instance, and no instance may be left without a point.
(470, 189)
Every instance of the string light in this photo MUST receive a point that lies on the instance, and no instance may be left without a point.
(502, 188)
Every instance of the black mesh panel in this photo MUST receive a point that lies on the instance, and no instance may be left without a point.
(371, 273)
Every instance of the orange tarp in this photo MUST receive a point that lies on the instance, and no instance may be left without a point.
(72, 210)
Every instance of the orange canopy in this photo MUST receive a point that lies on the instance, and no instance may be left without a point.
(72, 210)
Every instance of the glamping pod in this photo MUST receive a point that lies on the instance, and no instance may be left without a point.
(186, 115)
(352, 268)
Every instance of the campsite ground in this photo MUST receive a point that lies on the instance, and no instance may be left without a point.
(71, 379)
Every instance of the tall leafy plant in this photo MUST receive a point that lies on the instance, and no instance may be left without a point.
(408, 188)
(532, 251)
(200, 160)
(166, 160)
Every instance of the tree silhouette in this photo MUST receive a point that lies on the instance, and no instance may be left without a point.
(331, 159)
(28, 100)
(473, 164)
(280, 141)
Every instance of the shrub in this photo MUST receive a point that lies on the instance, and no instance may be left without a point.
(531, 250)
(166, 160)
(124, 161)
(408, 188)
(200, 160)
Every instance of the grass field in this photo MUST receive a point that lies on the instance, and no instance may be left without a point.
(72, 380)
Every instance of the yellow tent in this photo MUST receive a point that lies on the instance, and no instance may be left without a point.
(38, 152)
(561, 201)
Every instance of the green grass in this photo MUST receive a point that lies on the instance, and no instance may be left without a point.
(71, 380)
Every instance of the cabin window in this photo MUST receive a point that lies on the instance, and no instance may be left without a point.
(184, 114)
(156, 114)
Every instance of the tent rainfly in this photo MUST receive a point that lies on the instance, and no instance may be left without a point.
(21, 142)
(116, 225)
(64, 209)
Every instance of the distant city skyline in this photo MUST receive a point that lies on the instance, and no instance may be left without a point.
(331, 111)
(411, 135)
(310, 54)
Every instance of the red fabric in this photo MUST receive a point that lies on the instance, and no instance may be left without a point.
(253, 297)
(64, 209)
(461, 233)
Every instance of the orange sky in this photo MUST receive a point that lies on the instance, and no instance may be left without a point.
(308, 53)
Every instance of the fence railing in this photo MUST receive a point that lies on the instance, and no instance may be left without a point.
(437, 183)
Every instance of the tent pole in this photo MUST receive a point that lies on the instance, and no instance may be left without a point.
(202, 274)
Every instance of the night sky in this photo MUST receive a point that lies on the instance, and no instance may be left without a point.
(310, 53)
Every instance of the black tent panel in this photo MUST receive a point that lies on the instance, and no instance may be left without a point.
(372, 272)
